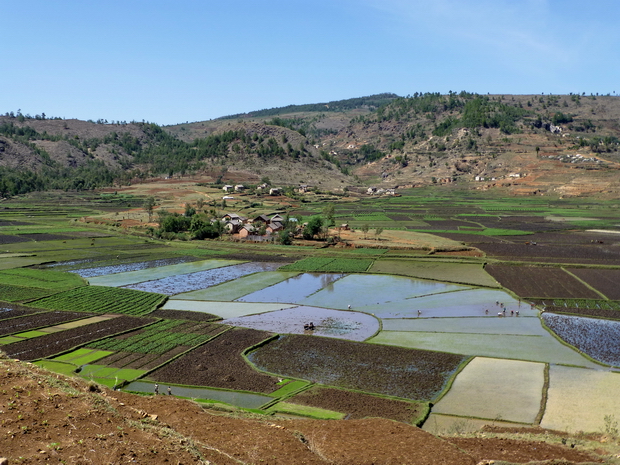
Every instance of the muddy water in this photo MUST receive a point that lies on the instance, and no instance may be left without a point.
(202, 279)
(341, 324)
(294, 289)
(239, 399)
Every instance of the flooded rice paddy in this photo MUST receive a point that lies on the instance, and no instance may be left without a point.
(383, 309)
(239, 399)
(353, 326)
(294, 289)
(362, 291)
(177, 284)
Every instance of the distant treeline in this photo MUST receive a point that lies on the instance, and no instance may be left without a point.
(371, 101)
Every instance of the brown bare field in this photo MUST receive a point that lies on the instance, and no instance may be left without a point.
(605, 281)
(358, 405)
(540, 282)
(219, 363)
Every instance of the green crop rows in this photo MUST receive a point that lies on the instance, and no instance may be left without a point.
(156, 339)
(340, 265)
(99, 299)
(44, 279)
(11, 293)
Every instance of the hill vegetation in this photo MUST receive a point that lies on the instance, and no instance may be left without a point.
(529, 144)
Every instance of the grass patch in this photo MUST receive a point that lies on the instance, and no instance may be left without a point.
(62, 368)
(30, 334)
(72, 355)
(289, 388)
(304, 411)
(92, 357)
(325, 264)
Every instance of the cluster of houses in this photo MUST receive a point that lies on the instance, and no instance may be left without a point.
(380, 191)
(489, 178)
(239, 188)
(252, 228)
(577, 158)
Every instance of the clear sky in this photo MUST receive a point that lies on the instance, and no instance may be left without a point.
(190, 60)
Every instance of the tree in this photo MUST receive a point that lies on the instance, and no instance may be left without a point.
(365, 228)
(285, 237)
(328, 212)
(200, 203)
(189, 210)
(313, 228)
(148, 205)
(378, 232)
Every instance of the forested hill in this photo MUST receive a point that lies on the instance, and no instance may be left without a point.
(530, 144)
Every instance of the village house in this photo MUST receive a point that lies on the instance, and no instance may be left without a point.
(233, 222)
(239, 188)
(261, 219)
(227, 188)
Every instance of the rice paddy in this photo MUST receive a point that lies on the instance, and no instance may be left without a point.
(133, 277)
(579, 400)
(534, 348)
(488, 388)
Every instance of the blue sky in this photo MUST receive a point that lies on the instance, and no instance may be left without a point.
(190, 60)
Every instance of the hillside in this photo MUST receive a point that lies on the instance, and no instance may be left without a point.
(523, 144)
(52, 418)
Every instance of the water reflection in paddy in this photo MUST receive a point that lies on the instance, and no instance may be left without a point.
(361, 291)
(293, 289)
(354, 326)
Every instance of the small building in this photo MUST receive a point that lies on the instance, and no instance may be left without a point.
(275, 191)
(261, 219)
(278, 218)
(274, 226)
(227, 188)
(371, 190)
(239, 188)
(247, 230)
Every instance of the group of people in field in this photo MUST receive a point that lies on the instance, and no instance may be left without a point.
(157, 389)
(309, 327)
(503, 307)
